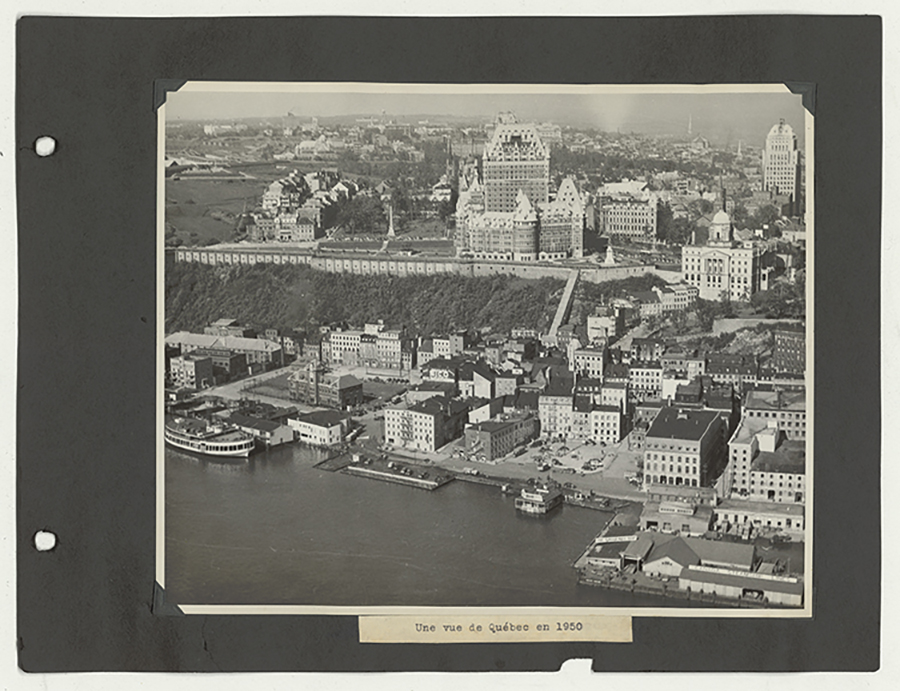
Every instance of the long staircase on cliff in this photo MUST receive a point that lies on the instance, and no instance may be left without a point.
(565, 305)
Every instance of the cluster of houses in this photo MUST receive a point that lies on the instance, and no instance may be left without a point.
(299, 208)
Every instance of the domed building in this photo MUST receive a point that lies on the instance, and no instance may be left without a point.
(723, 266)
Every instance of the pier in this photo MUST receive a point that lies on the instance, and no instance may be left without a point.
(398, 473)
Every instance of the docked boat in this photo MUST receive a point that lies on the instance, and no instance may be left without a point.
(540, 500)
(211, 439)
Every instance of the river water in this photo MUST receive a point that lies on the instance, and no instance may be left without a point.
(276, 530)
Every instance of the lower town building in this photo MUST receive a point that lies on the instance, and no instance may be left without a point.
(425, 426)
(315, 385)
(430, 389)
(589, 361)
(685, 447)
(789, 351)
(676, 517)
(259, 351)
(319, 428)
(763, 465)
(267, 432)
(737, 370)
(787, 408)
(606, 424)
(555, 411)
(497, 438)
(227, 365)
(778, 590)
(190, 371)
(746, 518)
(645, 379)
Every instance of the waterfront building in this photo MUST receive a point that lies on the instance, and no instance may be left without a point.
(191, 371)
(787, 408)
(780, 590)
(497, 438)
(781, 161)
(425, 426)
(508, 214)
(723, 266)
(744, 518)
(684, 447)
(676, 517)
(267, 432)
(319, 428)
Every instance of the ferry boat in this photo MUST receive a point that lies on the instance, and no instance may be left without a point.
(540, 500)
(212, 439)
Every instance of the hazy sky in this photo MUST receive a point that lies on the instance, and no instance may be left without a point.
(722, 117)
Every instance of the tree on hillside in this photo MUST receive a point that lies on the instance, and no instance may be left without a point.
(362, 214)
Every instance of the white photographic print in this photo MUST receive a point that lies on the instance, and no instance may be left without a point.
(494, 348)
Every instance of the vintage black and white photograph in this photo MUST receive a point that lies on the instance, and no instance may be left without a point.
(493, 346)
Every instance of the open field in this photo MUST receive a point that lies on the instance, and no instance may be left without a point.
(200, 210)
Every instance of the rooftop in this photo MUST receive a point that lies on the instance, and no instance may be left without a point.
(776, 400)
(748, 428)
(675, 548)
(749, 580)
(722, 552)
(253, 422)
(764, 508)
(789, 457)
(682, 423)
(323, 418)
(229, 342)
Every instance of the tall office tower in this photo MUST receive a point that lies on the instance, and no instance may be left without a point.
(781, 162)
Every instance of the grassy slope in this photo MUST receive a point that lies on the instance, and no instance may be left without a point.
(286, 296)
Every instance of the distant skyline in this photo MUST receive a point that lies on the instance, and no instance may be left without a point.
(721, 117)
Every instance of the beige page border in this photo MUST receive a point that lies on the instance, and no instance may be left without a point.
(370, 87)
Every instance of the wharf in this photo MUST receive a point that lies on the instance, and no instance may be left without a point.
(624, 582)
(335, 463)
(390, 475)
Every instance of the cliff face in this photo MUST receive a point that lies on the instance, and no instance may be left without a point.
(286, 296)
